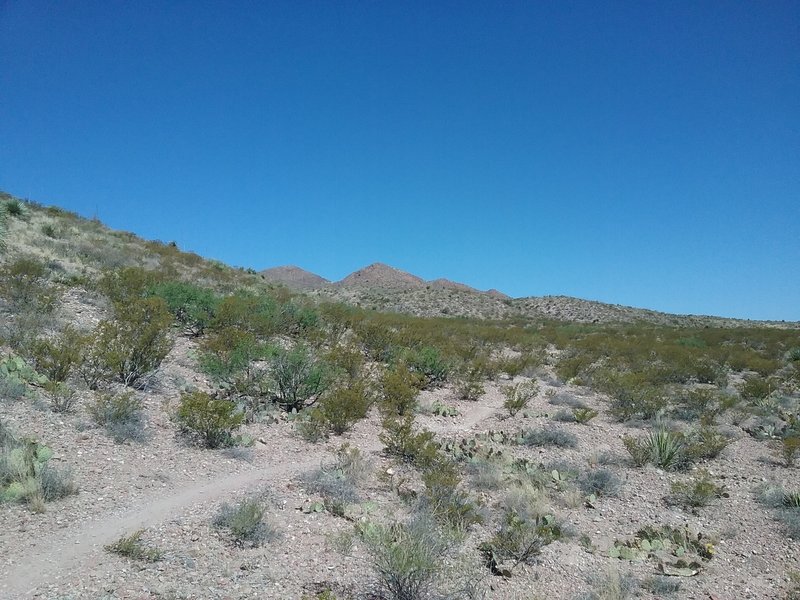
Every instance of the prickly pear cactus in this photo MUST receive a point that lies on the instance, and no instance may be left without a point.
(16, 369)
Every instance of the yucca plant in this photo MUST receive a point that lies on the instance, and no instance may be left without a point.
(662, 448)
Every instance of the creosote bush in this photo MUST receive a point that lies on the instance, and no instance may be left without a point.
(210, 420)
(518, 396)
(299, 378)
(399, 388)
(341, 407)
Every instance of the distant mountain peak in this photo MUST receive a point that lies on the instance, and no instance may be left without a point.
(294, 277)
(380, 275)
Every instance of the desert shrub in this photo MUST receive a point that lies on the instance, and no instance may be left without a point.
(662, 585)
(699, 491)
(632, 395)
(210, 420)
(11, 388)
(600, 482)
(343, 406)
(347, 360)
(564, 416)
(428, 363)
(229, 357)
(469, 382)
(518, 396)
(402, 441)
(663, 448)
(378, 340)
(789, 450)
(399, 387)
(13, 207)
(406, 558)
(57, 357)
(549, 437)
(122, 416)
(756, 388)
(451, 507)
(192, 306)
(705, 443)
(257, 315)
(793, 354)
(337, 483)
(564, 399)
(583, 415)
(132, 345)
(524, 530)
(299, 378)
(244, 522)
(56, 484)
(62, 397)
(133, 547)
(518, 365)
(125, 285)
(612, 585)
(48, 230)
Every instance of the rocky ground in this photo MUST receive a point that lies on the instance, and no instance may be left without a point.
(171, 490)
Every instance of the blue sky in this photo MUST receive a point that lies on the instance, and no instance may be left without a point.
(640, 153)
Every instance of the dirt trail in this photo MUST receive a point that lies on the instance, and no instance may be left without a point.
(75, 547)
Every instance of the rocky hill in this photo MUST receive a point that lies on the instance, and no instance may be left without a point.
(294, 277)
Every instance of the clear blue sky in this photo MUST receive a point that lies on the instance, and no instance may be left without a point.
(641, 153)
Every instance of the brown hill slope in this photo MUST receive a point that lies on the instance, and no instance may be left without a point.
(294, 277)
(379, 275)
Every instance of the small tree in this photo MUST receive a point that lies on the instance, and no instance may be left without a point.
(212, 420)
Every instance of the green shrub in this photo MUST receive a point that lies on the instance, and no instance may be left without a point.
(429, 364)
(756, 388)
(299, 378)
(401, 441)
(336, 486)
(584, 415)
(469, 383)
(121, 415)
(210, 420)
(133, 547)
(399, 388)
(14, 208)
(452, 507)
(132, 345)
(126, 285)
(705, 443)
(192, 306)
(662, 448)
(257, 315)
(632, 395)
(699, 491)
(228, 356)
(341, 407)
(62, 397)
(23, 283)
(57, 357)
(519, 539)
(518, 396)
(245, 523)
(790, 450)
(406, 558)
(549, 437)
